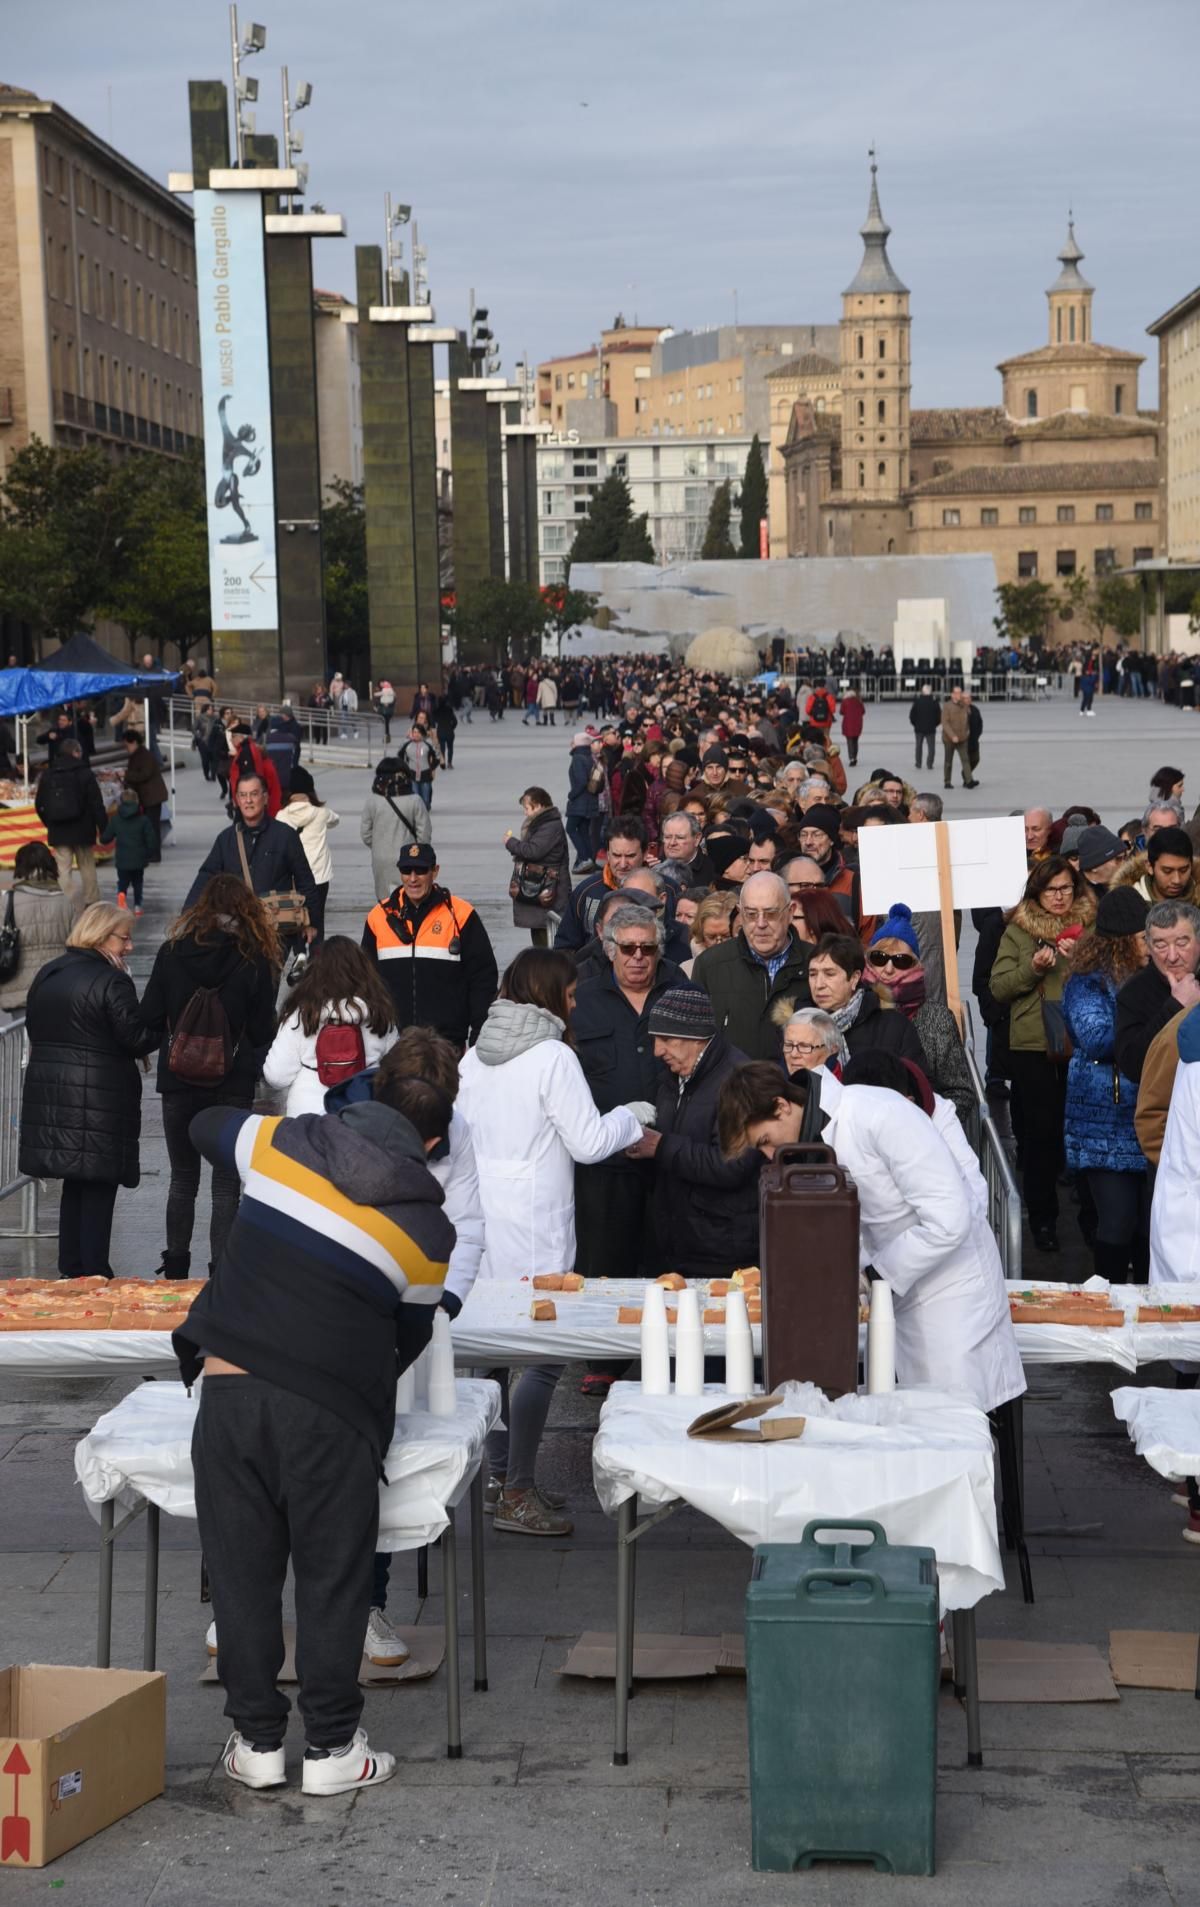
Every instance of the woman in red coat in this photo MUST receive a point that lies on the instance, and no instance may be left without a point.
(853, 711)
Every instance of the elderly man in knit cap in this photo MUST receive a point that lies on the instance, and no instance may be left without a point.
(820, 829)
(705, 1206)
(728, 854)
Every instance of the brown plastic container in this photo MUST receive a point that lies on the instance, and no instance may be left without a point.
(808, 1250)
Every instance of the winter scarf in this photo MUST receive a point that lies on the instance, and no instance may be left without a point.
(907, 991)
(512, 1028)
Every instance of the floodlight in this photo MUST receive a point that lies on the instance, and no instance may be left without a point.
(479, 315)
(295, 141)
(303, 97)
(401, 214)
(247, 89)
(255, 40)
(248, 123)
(302, 177)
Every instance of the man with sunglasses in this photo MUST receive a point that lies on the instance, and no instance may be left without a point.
(433, 951)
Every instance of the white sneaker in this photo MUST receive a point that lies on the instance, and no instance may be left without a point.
(358, 1765)
(251, 1766)
(210, 1638)
(383, 1646)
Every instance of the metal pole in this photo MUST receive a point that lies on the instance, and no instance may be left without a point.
(287, 129)
(450, 1600)
(478, 1595)
(104, 1612)
(237, 68)
(171, 747)
(971, 1679)
(150, 1608)
(626, 1517)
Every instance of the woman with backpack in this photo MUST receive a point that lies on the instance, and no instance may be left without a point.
(339, 1020)
(306, 812)
(210, 1000)
(393, 817)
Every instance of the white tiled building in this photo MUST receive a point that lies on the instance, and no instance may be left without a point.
(672, 483)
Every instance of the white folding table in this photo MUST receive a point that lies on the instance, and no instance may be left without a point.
(139, 1457)
(918, 1462)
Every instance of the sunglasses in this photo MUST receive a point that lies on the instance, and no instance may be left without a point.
(636, 949)
(901, 962)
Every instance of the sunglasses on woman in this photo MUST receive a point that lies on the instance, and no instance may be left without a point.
(901, 962)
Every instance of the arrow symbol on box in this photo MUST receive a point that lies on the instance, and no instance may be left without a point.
(256, 572)
(14, 1828)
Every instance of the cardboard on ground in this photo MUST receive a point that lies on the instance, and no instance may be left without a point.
(987, 865)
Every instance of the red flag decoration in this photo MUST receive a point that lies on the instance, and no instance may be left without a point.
(14, 1828)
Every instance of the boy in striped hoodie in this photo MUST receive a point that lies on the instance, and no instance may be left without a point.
(324, 1294)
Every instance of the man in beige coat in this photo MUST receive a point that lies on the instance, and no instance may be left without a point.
(955, 731)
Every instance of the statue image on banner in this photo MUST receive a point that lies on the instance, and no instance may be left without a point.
(228, 493)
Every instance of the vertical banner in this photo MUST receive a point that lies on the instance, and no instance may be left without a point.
(235, 367)
(764, 538)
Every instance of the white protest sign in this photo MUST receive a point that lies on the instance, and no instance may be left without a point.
(987, 865)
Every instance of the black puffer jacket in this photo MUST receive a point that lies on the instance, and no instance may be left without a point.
(81, 1111)
(705, 1206)
(247, 991)
(84, 803)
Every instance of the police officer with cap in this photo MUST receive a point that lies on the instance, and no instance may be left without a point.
(432, 950)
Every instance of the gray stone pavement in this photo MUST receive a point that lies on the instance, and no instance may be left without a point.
(1078, 1804)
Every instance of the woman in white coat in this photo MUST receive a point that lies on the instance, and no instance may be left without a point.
(920, 1229)
(340, 988)
(1175, 1212)
(532, 1119)
(312, 820)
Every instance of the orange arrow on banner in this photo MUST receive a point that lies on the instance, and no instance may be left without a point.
(14, 1828)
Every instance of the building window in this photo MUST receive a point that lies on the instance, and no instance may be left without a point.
(570, 380)
(558, 380)
(1031, 403)
(140, 308)
(1143, 512)
(1027, 565)
(1142, 555)
(1104, 562)
(1065, 513)
(1104, 513)
(859, 346)
(1058, 326)
(883, 347)
(1118, 399)
(114, 314)
(989, 518)
(98, 288)
(951, 519)
(108, 208)
(153, 302)
(83, 283)
(881, 470)
(881, 411)
(862, 476)
(1071, 324)
(862, 411)
(1064, 563)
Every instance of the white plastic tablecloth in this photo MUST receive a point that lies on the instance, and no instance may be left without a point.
(918, 1462)
(87, 1354)
(142, 1450)
(1164, 1428)
(495, 1322)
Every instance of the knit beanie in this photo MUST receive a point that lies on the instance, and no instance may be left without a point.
(898, 926)
(682, 1013)
(1097, 845)
(825, 816)
(1122, 910)
(724, 849)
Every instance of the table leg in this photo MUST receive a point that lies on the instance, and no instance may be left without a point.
(450, 1599)
(478, 1591)
(150, 1610)
(971, 1679)
(423, 1574)
(623, 1663)
(104, 1612)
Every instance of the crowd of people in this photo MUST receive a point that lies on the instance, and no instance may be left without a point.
(704, 985)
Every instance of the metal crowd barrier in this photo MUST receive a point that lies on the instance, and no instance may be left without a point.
(1001, 685)
(1004, 1196)
(14, 1049)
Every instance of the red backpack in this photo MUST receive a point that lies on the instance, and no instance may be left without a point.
(340, 1052)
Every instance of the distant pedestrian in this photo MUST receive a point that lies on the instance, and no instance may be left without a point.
(547, 700)
(385, 708)
(925, 716)
(853, 714)
(954, 737)
(307, 813)
(42, 916)
(136, 840)
(71, 808)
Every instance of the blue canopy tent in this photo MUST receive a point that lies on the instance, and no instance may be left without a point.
(80, 669)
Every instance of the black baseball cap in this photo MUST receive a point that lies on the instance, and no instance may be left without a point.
(416, 858)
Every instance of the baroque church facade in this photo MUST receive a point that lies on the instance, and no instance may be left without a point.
(1060, 477)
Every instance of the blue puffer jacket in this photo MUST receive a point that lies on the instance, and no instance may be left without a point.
(1101, 1101)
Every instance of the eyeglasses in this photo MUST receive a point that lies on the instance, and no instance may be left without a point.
(800, 1048)
(901, 962)
(1060, 891)
(757, 916)
(636, 949)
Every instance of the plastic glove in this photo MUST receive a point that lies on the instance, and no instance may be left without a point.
(642, 1111)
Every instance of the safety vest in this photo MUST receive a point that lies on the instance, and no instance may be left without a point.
(438, 935)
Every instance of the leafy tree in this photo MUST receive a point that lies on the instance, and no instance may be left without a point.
(718, 544)
(62, 533)
(1116, 604)
(566, 608)
(1026, 610)
(344, 564)
(754, 497)
(161, 592)
(497, 621)
(599, 537)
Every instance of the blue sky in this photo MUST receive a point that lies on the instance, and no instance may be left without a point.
(570, 161)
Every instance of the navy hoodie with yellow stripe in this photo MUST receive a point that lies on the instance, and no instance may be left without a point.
(334, 1264)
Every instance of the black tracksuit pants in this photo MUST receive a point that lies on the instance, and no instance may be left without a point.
(278, 1476)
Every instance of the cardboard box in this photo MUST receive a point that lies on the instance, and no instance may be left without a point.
(79, 1748)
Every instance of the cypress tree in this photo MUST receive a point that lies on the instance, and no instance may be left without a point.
(718, 544)
(635, 545)
(599, 536)
(754, 498)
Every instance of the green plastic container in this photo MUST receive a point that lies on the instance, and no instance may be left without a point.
(843, 1665)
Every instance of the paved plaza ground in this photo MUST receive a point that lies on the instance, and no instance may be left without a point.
(1093, 1805)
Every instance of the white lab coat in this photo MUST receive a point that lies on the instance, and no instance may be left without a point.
(532, 1120)
(459, 1179)
(928, 1238)
(1175, 1212)
(292, 1060)
(312, 824)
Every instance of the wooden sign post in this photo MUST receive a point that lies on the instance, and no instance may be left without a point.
(946, 909)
